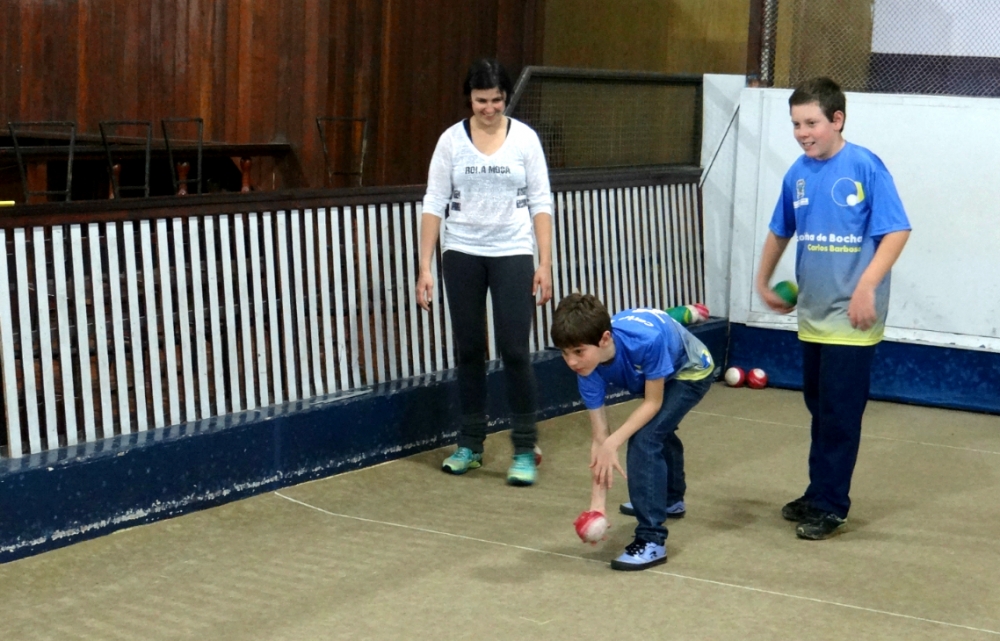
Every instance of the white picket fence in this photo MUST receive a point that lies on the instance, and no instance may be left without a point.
(114, 327)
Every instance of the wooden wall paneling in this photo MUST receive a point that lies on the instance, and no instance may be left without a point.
(26, 21)
(182, 86)
(220, 67)
(112, 65)
(142, 83)
(170, 100)
(20, 87)
(290, 91)
(366, 85)
(106, 68)
(58, 53)
(726, 37)
(246, 73)
(81, 38)
(8, 66)
(510, 20)
(206, 65)
(263, 104)
(294, 72)
(435, 80)
(337, 53)
(388, 89)
(85, 49)
(313, 87)
(154, 56)
(437, 64)
(258, 70)
(279, 55)
(534, 33)
(488, 21)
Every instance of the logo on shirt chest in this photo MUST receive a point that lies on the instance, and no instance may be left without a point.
(800, 194)
(847, 192)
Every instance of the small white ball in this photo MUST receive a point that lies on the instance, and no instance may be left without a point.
(852, 200)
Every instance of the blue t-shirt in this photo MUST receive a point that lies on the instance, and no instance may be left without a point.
(838, 209)
(649, 344)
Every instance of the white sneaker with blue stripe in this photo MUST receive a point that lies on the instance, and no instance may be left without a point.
(640, 555)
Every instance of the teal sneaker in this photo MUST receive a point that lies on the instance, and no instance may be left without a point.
(462, 461)
(523, 470)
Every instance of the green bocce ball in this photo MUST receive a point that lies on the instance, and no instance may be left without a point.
(788, 291)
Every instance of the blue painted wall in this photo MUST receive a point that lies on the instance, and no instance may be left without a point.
(902, 372)
(68, 495)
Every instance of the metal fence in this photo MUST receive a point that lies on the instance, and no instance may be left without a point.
(593, 118)
(890, 46)
(147, 318)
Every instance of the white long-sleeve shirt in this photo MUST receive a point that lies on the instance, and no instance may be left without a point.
(491, 200)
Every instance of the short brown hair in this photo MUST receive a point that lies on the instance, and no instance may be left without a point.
(580, 319)
(824, 92)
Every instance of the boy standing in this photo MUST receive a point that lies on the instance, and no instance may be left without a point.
(647, 352)
(840, 201)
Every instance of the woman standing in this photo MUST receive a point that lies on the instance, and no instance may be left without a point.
(489, 183)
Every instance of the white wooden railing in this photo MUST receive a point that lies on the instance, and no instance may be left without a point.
(165, 314)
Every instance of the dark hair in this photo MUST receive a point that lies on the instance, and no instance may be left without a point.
(580, 319)
(488, 73)
(824, 92)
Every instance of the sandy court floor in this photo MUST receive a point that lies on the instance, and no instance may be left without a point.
(403, 551)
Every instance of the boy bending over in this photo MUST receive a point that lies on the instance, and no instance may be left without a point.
(646, 352)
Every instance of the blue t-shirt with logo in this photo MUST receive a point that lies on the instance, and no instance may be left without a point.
(838, 209)
(649, 344)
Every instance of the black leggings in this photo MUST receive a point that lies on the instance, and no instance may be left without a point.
(508, 279)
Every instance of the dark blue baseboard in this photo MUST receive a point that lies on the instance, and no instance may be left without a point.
(902, 372)
(68, 495)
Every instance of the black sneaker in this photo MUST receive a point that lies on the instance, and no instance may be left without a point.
(799, 510)
(820, 527)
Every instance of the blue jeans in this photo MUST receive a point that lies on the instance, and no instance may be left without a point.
(835, 383)
(655, 458)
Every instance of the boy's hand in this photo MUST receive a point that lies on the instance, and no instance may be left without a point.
(603, 462)
(772, 300)
(861, 311)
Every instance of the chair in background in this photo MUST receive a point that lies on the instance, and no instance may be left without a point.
(179, 172)
(358, 144)
(113, 145)
(62, 132)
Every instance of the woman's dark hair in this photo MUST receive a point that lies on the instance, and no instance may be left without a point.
(488, 73)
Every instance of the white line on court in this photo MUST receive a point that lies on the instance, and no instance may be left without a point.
(660, 572)
(863, 435)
